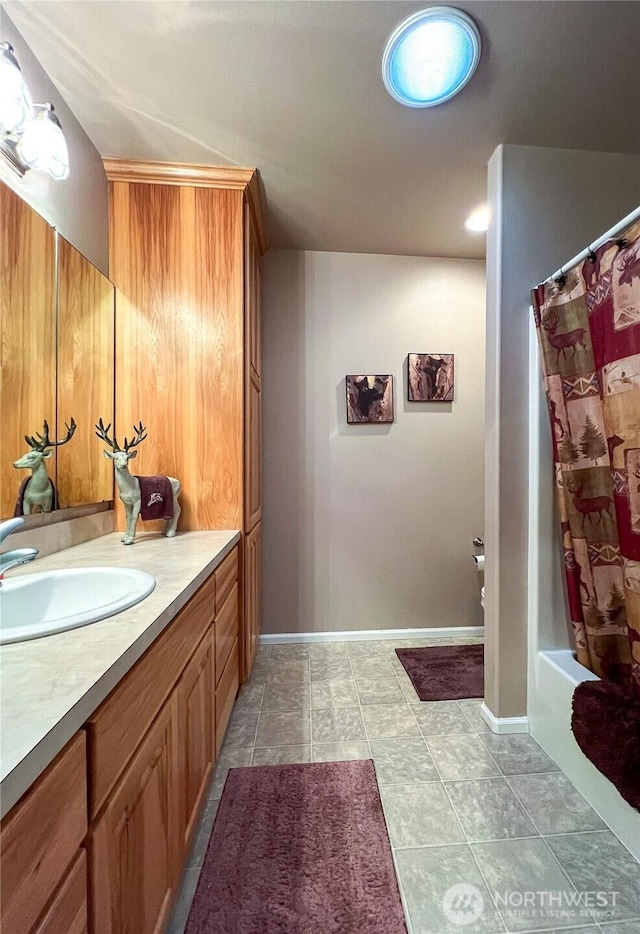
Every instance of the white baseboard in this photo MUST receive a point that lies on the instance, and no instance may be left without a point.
(504, 724)
(454, 632)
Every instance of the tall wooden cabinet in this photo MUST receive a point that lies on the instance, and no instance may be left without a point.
(253, 441)
(185, 255)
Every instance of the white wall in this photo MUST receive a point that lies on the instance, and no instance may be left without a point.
(370, 526)
(78, 206)
(547, 204)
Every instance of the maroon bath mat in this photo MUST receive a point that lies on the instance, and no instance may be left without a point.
(448, 672)
(606, 724)
(299, 849)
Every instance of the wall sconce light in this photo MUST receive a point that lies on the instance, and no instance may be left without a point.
(31, 136)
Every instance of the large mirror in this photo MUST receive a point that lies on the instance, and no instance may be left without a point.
(57, 319)
(85, 387)
(27, 319)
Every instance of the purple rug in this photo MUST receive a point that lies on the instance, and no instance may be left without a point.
(299, 849)
(447, 672)
(606, 724)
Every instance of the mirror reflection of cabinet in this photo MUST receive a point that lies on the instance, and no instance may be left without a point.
(57, 358)
(85, 376)
(28, 328)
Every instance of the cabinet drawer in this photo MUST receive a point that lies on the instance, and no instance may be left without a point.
(226, 575)
(40, 837)
(116, 729)
(226, 695)
(226, 631)
(67, 913)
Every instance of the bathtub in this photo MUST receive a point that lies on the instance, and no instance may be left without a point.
(553, 677)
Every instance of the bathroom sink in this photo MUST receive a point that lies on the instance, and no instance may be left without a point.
(34, 605)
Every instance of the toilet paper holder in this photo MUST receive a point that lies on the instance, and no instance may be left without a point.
(478, 543)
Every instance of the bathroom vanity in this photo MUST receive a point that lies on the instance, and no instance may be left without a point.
(109, 737)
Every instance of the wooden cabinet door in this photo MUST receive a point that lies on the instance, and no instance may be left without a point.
(134, 864)
(252, 376)
(41, 836)
(253, 455)
(252, 596)
(196, 735)
(252, 298)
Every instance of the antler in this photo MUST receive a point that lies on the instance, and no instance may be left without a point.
(69, 435)
(140, 436)
(628, 259)
(550, 319)
(40, 442)
(102, 433)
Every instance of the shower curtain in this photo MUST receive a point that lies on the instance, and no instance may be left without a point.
(588, 326)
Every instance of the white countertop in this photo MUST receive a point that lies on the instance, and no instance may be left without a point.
(50, 686)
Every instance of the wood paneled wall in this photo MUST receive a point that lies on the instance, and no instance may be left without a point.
(176, 257)
(28, 326)
(85, 376)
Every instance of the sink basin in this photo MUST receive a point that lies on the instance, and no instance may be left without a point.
(34, 605)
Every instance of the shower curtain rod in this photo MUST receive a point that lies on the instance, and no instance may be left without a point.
(609, 235)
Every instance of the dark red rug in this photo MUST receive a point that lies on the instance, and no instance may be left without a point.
(299, 849)
(447, 672)
(606, 724)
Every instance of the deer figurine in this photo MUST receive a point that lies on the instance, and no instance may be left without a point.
(151, 497)
(38, 492)
(562, 342)
(590, 504)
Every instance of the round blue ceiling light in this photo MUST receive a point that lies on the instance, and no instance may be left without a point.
(431, 56)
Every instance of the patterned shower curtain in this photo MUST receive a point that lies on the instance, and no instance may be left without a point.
(589, 332)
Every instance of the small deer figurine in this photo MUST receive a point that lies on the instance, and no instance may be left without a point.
(38, 492)
(153, 497)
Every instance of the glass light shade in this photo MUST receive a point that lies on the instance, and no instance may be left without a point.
(43, 146)
(431, 56)
(478, 220)
(16, 108)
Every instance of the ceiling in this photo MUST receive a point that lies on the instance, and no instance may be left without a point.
(294, 88)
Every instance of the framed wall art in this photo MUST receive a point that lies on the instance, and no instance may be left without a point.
(369, 399)
(430, 377)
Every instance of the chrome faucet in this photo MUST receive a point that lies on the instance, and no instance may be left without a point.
(12, 559)
(9, 526)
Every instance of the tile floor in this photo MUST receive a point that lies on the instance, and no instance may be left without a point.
(462, 805)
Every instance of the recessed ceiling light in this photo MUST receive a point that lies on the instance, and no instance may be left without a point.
(431, 56)
(478, 220)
